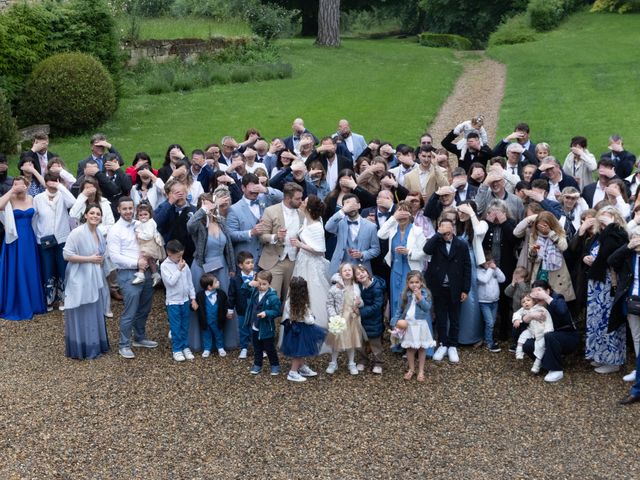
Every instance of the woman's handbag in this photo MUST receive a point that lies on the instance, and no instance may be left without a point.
(48, 242)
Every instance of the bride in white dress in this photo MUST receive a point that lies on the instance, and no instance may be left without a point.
(310, 262)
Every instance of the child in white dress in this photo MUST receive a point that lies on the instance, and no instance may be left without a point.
(476, 125)
(539, 321)
(150, 242)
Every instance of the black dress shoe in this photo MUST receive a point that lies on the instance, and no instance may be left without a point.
(629, 400)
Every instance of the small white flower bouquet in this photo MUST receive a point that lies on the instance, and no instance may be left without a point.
(337, 324)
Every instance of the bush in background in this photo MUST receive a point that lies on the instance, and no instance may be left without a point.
(270, 21)
(619, 6)
(513, 30)
(444, 40)
(72, 92)
(8, 129)
(546, 15)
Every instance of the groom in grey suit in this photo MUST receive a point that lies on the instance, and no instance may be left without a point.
(357, 238)
(243, 220)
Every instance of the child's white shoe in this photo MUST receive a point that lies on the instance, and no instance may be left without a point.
(188, 354)
(222, 352)
(331, 368)
(536, 366)
(294, 376)
(243, 353)
(206, 354)
(157, 278)
(138, 278)
(519, 353)
(178, 356)
(353, 369)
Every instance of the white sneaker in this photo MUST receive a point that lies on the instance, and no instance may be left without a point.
(452, 352)
(536, 366)
(360, 367)
(188, 354)
(157, 278)
(331, 368)
(109, 314)
(206, 354)
(520, 356)
(631, 377)
(377, 370)
(295, 377)
(138, 278)
(306, 371)
(593, 363)
(607, 369)
(178, 356)
(440, 353)
(353, 370)
(222, 352)
(243, 353)
(554, 376)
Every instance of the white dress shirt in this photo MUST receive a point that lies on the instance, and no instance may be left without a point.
(122, 245)
(332, 172)
(292, 224)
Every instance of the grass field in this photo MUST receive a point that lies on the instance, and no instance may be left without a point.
(391, 89)
(582, 79)
(183, 27)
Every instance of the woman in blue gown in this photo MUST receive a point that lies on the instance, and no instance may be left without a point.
(21, 292)
(213, 254)
(472, 230)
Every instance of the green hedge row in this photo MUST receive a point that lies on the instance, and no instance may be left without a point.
(444, 40)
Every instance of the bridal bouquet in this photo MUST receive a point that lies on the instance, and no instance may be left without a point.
(337, 324)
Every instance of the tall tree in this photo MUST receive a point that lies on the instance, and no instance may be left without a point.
(328, 23)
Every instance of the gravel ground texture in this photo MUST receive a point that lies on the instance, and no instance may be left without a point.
(478, 91)
(487, 417)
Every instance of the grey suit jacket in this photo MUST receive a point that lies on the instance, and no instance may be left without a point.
(368, 242)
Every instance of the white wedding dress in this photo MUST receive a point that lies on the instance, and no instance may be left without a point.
(313, 268)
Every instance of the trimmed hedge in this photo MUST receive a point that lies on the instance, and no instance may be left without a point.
(72, 92)
(512, 31)
(444, 40)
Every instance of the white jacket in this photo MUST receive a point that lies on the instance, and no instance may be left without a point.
(583, 171)
(415, 243)
(488, 284)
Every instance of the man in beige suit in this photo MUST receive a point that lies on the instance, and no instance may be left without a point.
(429, 176)
(281, 222)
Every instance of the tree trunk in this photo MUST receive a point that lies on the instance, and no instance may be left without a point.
(328, 23)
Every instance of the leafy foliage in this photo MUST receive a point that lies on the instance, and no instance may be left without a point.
(512, 31)
(73, 92)
(444, 40)
(619, 6)
(270, 21)
(547, 14)
(8, 130)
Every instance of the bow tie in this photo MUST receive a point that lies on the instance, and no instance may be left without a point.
(297, 139)
(247, 278)
(254, 202)
(383, 214)
(352, 222)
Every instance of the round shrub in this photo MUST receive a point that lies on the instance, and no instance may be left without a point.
(72, 92)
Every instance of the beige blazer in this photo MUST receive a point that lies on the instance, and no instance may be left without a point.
(435, 180)
(273, 219)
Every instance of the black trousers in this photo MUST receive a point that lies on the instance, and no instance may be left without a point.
(556, 344)
(447, 312)
(265, 345)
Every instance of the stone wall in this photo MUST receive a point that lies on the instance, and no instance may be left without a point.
(184, 48)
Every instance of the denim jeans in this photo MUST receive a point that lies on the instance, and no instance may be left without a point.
(265, 345)
(212, 330)
(488, 312)
(179, 320)
(53, 268)
(244, 333)
(137, 305)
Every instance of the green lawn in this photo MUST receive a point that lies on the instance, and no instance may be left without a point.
(582, 79)
(390, 89)
(183, 27)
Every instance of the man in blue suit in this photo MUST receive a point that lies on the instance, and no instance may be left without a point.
(244, 219)
(292, 141)
(357, 238)
(354, 144)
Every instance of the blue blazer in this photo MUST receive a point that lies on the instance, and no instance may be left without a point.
(270, 304)
(240, 220)
(367, 243)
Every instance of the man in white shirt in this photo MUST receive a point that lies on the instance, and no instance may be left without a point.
(281, 222)
(124, 253)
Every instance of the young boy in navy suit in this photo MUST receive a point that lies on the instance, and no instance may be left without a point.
(239, 296)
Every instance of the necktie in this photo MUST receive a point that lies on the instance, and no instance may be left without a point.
(513, 170)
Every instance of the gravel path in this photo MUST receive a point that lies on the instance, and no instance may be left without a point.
(479, 90)
(487, 417)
